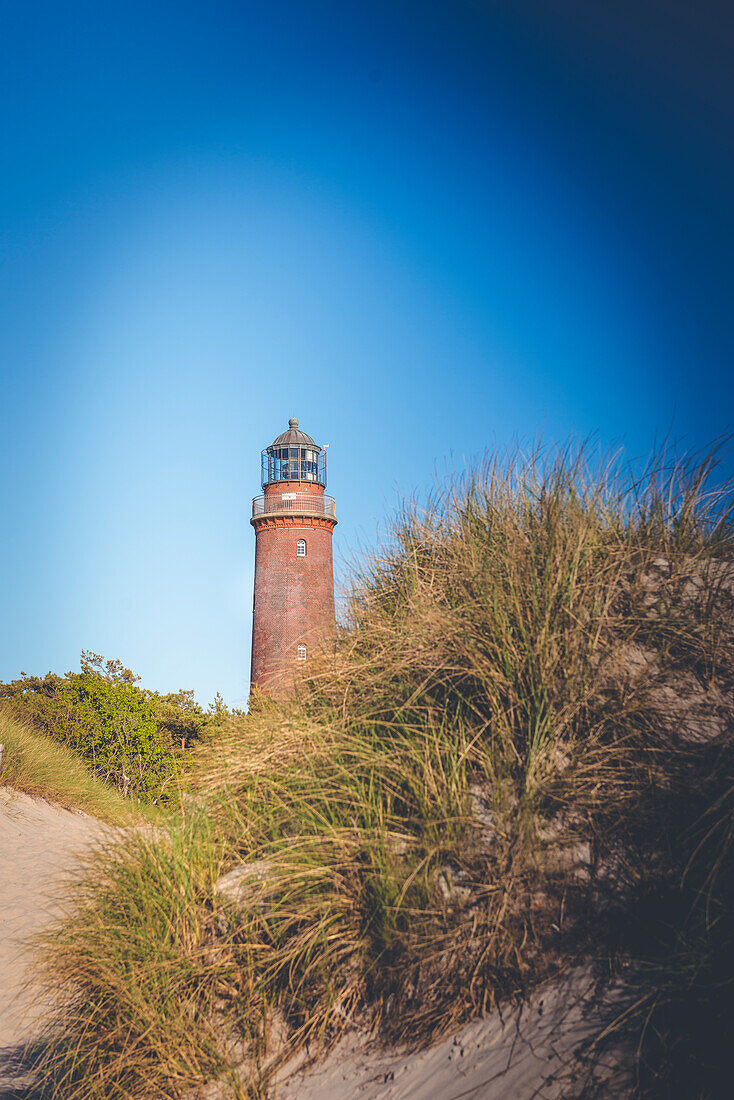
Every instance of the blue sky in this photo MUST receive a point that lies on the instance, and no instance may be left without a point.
(424, 229)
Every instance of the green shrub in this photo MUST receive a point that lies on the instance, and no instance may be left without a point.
(133, 739)
(34, 764)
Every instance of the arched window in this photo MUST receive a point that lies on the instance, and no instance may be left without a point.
(301, 548)
(301, 652)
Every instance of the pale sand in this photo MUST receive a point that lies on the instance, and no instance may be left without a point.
(522, 1054)
(39, 845)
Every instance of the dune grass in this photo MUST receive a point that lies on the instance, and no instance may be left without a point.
(518, 753)
(34, 764)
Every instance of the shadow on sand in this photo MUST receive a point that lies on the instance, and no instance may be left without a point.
(18, 1070)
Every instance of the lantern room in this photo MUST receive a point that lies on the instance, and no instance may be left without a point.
(293, 456)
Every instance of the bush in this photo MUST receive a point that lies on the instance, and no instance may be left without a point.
(33, 763)
(133, 739)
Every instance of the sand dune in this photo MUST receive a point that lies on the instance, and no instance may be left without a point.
(532, 1052)
(514, 1055)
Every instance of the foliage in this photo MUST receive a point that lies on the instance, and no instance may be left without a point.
(34, 764)
(516, 755)
(130, 738)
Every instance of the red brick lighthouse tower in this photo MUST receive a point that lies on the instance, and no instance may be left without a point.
(294, 571)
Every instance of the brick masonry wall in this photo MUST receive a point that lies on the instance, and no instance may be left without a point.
(294, 597)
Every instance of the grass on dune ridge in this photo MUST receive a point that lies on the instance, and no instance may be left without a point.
(518, 754)
(34, 764)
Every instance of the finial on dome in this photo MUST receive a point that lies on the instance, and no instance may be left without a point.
(293, 422)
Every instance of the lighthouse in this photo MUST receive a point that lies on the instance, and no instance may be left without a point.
(294, 520)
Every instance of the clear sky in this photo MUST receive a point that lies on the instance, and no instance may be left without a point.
(423, 228)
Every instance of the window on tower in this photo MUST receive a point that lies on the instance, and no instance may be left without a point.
(301, 652)
(301, 548)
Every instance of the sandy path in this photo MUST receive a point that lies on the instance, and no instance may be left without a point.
(39, 844)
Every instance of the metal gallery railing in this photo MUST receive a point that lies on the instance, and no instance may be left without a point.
(302, 504)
